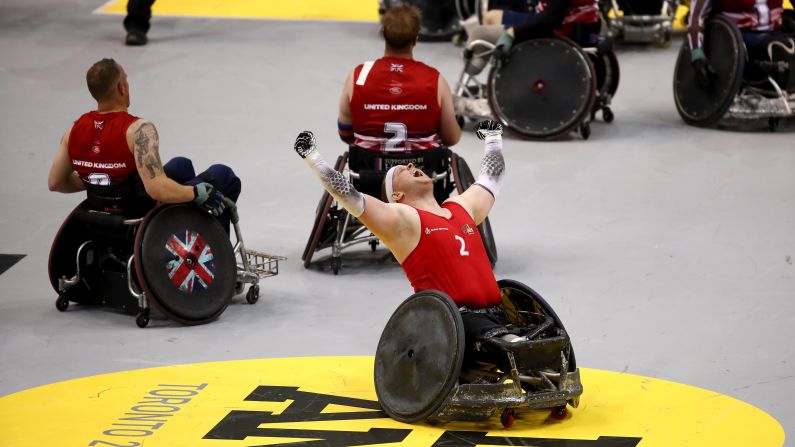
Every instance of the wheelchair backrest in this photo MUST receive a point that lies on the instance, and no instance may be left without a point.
(371, 167)
(128, 198)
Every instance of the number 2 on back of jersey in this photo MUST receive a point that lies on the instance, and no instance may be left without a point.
(399, 133)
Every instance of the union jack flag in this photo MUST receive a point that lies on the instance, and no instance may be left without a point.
(191, 263)
(396, 68)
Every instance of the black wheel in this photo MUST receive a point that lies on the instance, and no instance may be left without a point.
(464, 179)
(62, 303)
(543, 101)
(723, 45)
(419, 356)
(772, 124)
(253, 294)
(142, 320)
(336, 265)
(585, 131)
(607, 115)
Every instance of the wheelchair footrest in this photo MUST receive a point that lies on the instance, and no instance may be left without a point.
(476, 402)
(263, 264)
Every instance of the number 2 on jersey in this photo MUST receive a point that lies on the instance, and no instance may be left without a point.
(463, 251)
(399, 133)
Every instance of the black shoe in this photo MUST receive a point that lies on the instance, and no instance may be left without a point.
(135, 38)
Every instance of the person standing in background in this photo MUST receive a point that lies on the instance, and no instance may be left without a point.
(139, 13)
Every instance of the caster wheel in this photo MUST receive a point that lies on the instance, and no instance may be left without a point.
(559, 413)
(336, 265)
(142, 320)
(607, 115)
(461, 121)
(373, 245)
(62, 302)
(507, 418)
(772, 124)
(253, 294)
(585, 131)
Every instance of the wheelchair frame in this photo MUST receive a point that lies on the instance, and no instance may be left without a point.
(505, 389)
(471, 101)
(251, 265)
(640, 28)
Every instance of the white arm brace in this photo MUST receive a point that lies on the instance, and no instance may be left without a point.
(492, 167)
(336, 184)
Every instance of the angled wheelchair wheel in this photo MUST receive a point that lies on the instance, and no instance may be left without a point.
(419, 356)
(185, 263)
(523, 298)
(321, 217)
(545, 89)
(723, 46)
(62, 261)
(439, 19)
(463, 178)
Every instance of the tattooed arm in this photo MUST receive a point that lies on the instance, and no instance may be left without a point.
(63, 177)
(479, 198)
(144, 142)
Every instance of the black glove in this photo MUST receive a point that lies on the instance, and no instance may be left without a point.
(208, 199)
(703, 69)
(489, 128)
(305, 143)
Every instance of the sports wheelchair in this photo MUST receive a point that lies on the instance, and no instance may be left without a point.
(641, 21)
(743, 89)
(335, 228)
(544, 89)
(175, 258)
(421, 372)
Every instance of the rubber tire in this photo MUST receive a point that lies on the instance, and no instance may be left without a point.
(252, 296)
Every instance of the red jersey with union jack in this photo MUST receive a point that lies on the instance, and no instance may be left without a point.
(755, 15)
(450, 257)
(98, 147)
(395, 105)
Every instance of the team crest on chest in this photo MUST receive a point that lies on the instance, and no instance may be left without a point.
(467, 229)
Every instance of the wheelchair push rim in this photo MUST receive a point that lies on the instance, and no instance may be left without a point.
(543, 100)
(419, 356)
(185, 263)
(705, 107)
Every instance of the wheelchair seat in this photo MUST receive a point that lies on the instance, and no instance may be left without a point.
(336, 229)
(640, 21)
(420, 372)
(731, 97)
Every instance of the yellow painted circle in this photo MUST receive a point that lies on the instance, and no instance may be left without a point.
(297, 400)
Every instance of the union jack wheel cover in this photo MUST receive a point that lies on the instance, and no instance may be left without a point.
(189, 261)
(185, 263)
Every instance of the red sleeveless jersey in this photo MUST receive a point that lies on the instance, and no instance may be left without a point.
(98, 147)
(395, 105)
(755, 15)
(579, 11)
(450, 257)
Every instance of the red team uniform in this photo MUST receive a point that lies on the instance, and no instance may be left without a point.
(753, 15)
(450, 258)
(579, 11)
(395, 105)
(98, 148)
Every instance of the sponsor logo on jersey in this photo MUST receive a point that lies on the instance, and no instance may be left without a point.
(431, 230)
(395, 90)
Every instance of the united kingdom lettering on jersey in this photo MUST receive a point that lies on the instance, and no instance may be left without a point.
(395, 105)
(98, 148)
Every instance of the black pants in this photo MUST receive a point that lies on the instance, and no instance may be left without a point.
(139, 12)
(475, 325)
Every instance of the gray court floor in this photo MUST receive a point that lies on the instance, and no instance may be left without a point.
(667, 250)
